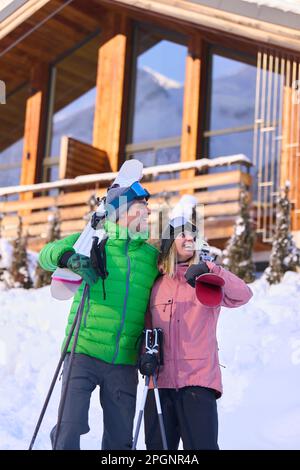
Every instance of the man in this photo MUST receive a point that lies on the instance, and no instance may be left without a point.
(113, 319)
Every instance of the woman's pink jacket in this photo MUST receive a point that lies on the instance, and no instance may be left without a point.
(190, 343)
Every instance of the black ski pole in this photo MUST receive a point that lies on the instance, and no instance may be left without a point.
(56, 373)
(65, 390)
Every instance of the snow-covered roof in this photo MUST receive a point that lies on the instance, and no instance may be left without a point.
(284, 5)
(281, 12)
(7, 7)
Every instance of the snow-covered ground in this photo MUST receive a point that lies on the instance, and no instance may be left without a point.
(259, 345)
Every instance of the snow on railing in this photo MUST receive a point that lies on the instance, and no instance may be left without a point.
(200, 164)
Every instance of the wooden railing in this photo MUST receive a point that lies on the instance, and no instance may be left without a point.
(219, 192)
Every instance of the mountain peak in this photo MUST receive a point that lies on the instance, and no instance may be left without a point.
(162, 80)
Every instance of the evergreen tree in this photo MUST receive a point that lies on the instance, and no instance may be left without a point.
(285, 256)
(237, 255)
(19, 272)
(42, 277)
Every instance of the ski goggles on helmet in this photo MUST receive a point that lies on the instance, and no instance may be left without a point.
(129, 195)
(136, 191)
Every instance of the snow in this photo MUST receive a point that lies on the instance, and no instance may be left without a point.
(162, 80)
(259, 347)
(286, 5)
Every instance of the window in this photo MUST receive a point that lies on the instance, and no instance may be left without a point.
(156, 109)
(230, 105)
(72, 102)
(12, 118)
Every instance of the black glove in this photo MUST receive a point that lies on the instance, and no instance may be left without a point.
(194, 271)
(147, 364)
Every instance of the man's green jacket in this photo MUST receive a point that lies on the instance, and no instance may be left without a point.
(110, 327)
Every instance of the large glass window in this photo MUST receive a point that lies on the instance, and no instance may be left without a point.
(230, 105)
(156, 109)
(12, 119)
(72, 103)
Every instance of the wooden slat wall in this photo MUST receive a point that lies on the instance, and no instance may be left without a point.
(78, 158)
(290, 151)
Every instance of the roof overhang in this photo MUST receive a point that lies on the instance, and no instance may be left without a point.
(271, 11)
(16, 12)
(8, 7)
(234, 20)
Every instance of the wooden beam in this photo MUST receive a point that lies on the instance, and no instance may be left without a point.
(286, 127)
(35, 127)
(112, 89)
(20, 15)
(193, 89)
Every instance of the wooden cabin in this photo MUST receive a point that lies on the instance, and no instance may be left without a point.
(206, 93)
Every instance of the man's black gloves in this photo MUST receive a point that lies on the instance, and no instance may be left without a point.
(194, 271)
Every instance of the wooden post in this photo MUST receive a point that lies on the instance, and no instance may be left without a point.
(193, 104)
(112, 89)
(35, 127)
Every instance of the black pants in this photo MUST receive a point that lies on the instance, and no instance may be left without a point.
(189, 413)
(118, 387)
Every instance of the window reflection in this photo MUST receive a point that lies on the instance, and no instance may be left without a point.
(12, 118)
(155, 121)
(73, 104)
(230, 106)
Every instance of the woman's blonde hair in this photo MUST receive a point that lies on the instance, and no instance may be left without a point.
(167, 263)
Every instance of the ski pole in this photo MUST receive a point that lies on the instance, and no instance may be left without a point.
(148, 364)
(159, 413)
(65, 390)
(141, 412)
(56, 373)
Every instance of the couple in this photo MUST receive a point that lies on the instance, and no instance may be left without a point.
(107, 348)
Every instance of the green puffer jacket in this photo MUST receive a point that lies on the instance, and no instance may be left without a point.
(110, 328)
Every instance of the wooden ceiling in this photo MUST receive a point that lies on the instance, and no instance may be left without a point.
(50, 41)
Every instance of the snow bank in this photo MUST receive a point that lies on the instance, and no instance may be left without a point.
(259, 345)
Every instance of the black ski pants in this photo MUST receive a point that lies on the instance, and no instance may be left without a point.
(190, 413)
(118, 388)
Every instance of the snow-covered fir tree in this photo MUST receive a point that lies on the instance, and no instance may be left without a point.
(18, 273)
(237, 255)
(42, 277)
(285, 256)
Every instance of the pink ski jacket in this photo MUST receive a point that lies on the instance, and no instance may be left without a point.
(190, 343)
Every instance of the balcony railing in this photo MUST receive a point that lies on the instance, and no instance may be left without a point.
(218, 191)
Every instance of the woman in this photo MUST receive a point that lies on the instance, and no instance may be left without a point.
(189, 382)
